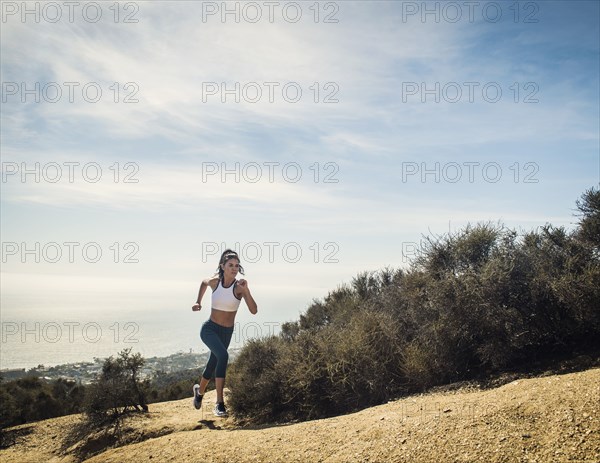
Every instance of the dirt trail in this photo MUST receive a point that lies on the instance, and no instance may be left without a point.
(545, 419)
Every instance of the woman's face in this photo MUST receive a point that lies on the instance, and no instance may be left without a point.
(231, 267)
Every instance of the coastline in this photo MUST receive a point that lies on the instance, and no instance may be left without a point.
(84, 372)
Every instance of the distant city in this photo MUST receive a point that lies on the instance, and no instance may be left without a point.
(86, 372)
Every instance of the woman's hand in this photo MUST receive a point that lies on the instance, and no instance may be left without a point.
(243, 285)
(196, 307)
(245, 293)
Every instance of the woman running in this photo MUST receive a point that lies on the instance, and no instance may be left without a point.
(216, 332)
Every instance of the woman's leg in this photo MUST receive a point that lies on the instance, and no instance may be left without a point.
(217, 339)
(203, 384)
(209, 369)
(219, 386)
(221, 367)
(210, 337)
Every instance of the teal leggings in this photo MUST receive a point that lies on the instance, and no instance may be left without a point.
(217, 339)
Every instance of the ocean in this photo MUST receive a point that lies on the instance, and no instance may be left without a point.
(27, 343)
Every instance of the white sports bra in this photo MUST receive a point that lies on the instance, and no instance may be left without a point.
(224, 298)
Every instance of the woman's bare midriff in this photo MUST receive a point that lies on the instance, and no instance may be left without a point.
(223, 318)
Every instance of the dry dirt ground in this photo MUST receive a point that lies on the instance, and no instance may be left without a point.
(545, 419)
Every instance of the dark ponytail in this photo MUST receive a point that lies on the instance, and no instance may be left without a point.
(228, 254)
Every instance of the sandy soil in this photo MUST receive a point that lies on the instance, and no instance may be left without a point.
(545, 419)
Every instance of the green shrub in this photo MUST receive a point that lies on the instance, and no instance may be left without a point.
(589, 224)
(261, 397)
(117, 390)
(31, 399)
(472, 303)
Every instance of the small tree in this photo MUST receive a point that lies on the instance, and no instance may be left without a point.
(118, 390)
(589, 224)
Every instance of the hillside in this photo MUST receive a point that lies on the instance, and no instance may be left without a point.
(545, 419)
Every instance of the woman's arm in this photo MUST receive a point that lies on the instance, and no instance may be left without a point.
(245, 293)
(205, 284)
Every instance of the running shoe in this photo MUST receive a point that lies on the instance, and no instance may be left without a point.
(197, 397)
(220, 409)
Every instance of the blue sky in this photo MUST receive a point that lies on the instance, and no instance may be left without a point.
(375, 133)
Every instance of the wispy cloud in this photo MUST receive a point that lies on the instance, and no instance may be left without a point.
(369, 135)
